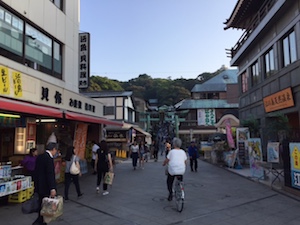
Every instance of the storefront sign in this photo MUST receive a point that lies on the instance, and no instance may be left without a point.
(206, 117)
(280, 100)
(295, 164)
(116, 134)
(4, 81)
(84, 60)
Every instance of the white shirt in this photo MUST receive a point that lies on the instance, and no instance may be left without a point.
(94, 151)
(134, 148)
(176, 164)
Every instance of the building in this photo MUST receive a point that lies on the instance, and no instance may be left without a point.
(210, 101)
(40, 47)
(267, 55)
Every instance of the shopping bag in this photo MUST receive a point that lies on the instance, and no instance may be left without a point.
(74, 169)
(108, 178)
(31, 205)
(52, 208)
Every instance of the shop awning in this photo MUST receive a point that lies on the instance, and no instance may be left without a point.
(90, 119)
(26, 107)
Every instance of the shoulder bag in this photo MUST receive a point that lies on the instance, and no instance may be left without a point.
(74, 169)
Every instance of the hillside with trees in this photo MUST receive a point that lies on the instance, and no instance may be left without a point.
(166, 91)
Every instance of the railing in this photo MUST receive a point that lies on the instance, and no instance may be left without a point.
(262, 12)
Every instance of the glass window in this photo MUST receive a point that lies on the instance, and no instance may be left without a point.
(58, 3)
(42, 52)
(244, 82)
(255, 77)
(109, 110)
(269, 63)
(11, 33)
(289, 49)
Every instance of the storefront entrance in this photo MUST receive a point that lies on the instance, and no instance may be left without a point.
(6, 143)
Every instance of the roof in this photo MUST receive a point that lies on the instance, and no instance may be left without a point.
(205, 104)
(218, 82)
(105, 94)
(243, 13)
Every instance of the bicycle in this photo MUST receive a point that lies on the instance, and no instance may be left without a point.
(179, 194)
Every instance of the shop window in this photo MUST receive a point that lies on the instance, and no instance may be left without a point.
(58, 4)
(289, 49)
(244, 82)
(269, 63)
(255, 75)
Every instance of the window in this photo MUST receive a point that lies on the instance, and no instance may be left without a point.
(244, 77)
(58, 3)
(24, 43)
(109, 110)
(269, 63)
(289, 49)
(255, 77)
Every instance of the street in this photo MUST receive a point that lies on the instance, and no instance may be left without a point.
(213, 195)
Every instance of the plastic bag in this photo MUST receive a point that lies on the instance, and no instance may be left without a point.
(52, 208)
(108, 178)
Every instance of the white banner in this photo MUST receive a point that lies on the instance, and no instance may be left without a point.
(206, 117)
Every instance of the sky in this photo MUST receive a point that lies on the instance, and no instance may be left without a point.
(161, 38)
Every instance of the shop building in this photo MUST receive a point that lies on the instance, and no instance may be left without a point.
(44, 61)
(267, 55)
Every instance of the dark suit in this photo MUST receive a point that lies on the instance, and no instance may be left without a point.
(44, 178)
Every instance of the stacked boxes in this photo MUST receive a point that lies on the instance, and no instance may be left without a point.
(18, 197)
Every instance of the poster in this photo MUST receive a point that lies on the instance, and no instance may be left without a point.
(273, 152)
(255, 156)
(295, 164)
(80, 139)
(242, 136)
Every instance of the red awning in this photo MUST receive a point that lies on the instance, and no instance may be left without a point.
(25, 107)
(90, 119)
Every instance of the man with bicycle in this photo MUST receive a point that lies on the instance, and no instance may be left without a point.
(176, 161)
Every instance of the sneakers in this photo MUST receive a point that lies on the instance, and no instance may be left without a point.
(170, 197)
(80, 195)
(97, 189)
(105, 193)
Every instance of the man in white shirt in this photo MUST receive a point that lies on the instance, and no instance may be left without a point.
(94, 152)
(176, 161)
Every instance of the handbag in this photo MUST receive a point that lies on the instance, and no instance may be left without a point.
(52, 208)
(108, 178)
(74, 169)
(31, 205)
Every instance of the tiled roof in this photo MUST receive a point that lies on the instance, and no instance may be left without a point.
(218, 82)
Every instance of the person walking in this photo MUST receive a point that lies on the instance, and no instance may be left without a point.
(194, 155)
(45, 183)
(70, 158)
(176, 161)
(155, 150)
(142, 154)
(94, 152)
(28, 162)
(134, 154)
(103, 164)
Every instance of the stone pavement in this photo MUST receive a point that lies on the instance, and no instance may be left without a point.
(214, 196)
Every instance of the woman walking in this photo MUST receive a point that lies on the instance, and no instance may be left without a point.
(70, 158)
(103, 164)
(134, 154)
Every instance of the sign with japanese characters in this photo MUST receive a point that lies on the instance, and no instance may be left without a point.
(280, 100)
(84, 60)
(295, 164)
(4, 81)
(206, 117)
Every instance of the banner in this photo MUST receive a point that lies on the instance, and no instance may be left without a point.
(206, 117)
(255, 156)
(295, 164)
(80, 139)
(229, 134)
(273, 152)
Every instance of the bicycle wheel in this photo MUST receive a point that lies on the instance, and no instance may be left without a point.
(179, 196)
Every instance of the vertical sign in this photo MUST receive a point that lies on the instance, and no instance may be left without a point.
(84, 60)
(80, 139)
(295, 164)
(273, 152)
(4, 81)
(242, 136)
(206, 117)
(17, 80)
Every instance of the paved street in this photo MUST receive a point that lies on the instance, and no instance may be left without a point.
(213, 196)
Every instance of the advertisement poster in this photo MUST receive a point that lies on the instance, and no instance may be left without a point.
(273, 152)
(242, 136)
(80, 139)
(255, 156)
(295, 164)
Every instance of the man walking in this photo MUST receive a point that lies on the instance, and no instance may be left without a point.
(194, 155)
(45, 184)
